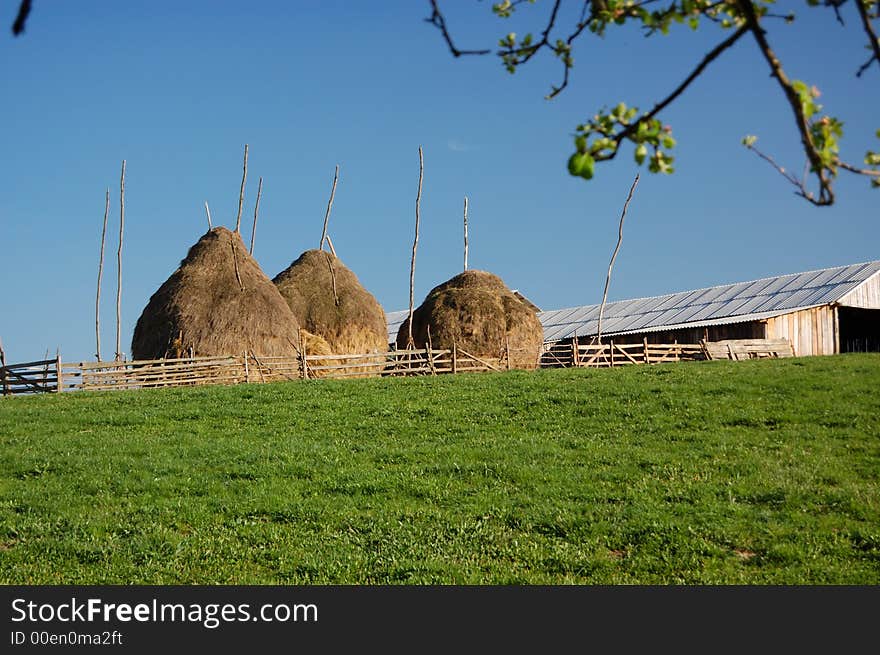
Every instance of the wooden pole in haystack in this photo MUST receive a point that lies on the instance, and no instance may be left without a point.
(465, 234)
(208, 212)
(100, 275)
(241, 192)
(119, 265)
(412, 267)
(611, 265)
(256, 209)
(327, 214)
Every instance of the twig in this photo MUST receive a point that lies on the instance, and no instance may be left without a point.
(256, 209)
(330, 243)
(208, 212)
(437, 20)
(800, 184)
(872, 36)
(412, 266)
(235, 264)
(119, 265)
(465, 234)
(241, 192)
(613, 256)
(23, 10)
(100, 275)
(332, 278)
(329, 207)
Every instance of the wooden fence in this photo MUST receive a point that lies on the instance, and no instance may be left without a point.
(32, 377)
(574, 354)
(54, 376)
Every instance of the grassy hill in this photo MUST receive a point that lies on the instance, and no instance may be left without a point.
(756, 472)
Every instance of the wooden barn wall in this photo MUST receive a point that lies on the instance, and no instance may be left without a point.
(810, 331)
(866, 295)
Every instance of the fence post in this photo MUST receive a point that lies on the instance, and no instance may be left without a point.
(454, 358)
(611, 348)
(58, 371)
(304, 372)
(247, 373)
(507, 347)
(647, 357)
(3, 377)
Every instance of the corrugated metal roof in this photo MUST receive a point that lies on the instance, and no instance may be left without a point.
(729, 303)
(720, 305)
(395, 320)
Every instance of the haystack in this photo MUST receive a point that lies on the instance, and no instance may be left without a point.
(328, 300)
(218, 302)
(478, 313)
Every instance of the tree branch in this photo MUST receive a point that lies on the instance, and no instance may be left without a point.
(872, 37)
(708, 59)
(826, 194)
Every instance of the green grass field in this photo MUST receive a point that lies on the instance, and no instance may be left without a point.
(759, 472)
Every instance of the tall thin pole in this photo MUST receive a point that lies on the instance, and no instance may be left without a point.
(241, 192)
(100, 275)
(613, 256)
(256, 209)
(465, 234)
(119, 265)
(208, 212)
(329, 207)
(412, 267)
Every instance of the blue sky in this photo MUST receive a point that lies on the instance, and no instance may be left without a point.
(177, 89)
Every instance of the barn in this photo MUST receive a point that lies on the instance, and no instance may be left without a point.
(821, 312)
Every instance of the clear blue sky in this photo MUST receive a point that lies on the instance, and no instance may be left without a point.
(178, 88)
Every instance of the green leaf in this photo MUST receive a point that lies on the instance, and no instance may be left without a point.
(581, 164)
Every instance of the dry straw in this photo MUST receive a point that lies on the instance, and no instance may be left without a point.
(328, 300)
(476, 312)
(217, 302)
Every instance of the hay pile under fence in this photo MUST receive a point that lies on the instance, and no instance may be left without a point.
(329, 301)
(477, 312)
(217, 302)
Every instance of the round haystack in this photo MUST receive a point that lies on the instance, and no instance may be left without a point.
(478, 313)
(328, 300)
(218, 302)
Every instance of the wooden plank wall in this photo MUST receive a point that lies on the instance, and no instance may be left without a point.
(748, 348)
(866, 295)
(810, 331)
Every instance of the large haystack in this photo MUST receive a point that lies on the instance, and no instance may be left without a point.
(328, 300)
(476, 311)
(218, 302)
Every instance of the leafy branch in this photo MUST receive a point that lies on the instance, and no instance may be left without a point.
(599, 139)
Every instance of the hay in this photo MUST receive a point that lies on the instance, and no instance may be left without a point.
(315, 345)
(218, 302)
(476, 311)
(350, 319)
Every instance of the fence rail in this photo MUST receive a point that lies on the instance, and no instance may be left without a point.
(42, 376)
(53, 376)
